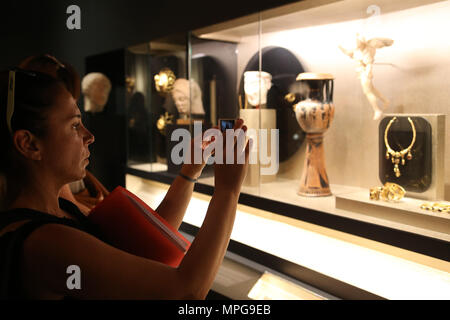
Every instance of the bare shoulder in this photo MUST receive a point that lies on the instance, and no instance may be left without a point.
(106, 272)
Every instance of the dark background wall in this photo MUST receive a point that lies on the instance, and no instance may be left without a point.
(107, 26)
(32, 27)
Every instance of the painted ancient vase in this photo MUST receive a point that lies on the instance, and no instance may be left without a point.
(314, 113)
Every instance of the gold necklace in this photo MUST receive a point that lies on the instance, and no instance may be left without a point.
(395, 156)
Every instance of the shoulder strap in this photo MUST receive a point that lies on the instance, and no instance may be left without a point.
(15, 215)
(19, 214)
(71, 208)
(83, 220)
(82, 223)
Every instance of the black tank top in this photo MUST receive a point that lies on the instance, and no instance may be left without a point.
(11, 242)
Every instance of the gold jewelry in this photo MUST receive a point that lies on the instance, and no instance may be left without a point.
(390, 192)
(436, 207)
(375, 193)
(164, 81)
(396, 155)
(290, 97)
(164, 120)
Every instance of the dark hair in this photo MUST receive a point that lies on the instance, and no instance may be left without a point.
(34, 95)
(62, 71)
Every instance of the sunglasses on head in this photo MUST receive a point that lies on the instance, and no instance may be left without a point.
(61, 74)
(11, 93)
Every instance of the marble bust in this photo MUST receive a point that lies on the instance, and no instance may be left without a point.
(181, 94)
(254, 81)
(96, 88)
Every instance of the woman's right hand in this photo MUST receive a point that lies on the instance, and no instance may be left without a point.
(229, 177)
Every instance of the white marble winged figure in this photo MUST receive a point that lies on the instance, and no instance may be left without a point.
(364, 55)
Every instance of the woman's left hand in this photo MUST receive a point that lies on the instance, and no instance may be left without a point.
(192, 169)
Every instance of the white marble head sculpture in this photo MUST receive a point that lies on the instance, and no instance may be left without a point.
(181, 93)
(252, 82)
(96, 88)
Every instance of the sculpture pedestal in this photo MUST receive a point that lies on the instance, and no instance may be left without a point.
(314, 180)
(257, 119)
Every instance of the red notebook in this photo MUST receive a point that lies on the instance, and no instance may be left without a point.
(131, 225)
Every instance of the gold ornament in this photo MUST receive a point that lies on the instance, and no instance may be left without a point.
(390, 192)
(164, 81)
(375, 193)
(290, 97)
(164, 120)
(398, 157)
(436, 207)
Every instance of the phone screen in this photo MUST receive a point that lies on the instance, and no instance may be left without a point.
(226, 124)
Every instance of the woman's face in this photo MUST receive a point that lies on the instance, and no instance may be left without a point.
(65, 146)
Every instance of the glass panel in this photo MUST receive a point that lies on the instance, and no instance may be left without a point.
(157, 97)
(362, 64)
(253, 85)
(218, 64)
(138, 95)
(313, 76)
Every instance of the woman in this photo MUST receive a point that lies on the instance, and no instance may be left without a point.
(89, 191)
(46, 146)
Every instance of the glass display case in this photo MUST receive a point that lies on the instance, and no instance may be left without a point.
(347, 100)
(151, 73)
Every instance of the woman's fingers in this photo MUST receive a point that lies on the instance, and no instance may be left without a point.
(240, 143)
(241, 135)
(247, 149)
(237, 125)
(239, 122)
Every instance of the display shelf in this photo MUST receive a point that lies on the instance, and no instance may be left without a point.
(150, 167)
(322, 211)
(239, 278)
(345, 265)
(322, 284)
(406, 212)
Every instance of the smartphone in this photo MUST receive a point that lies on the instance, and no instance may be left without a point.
(225, 124)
